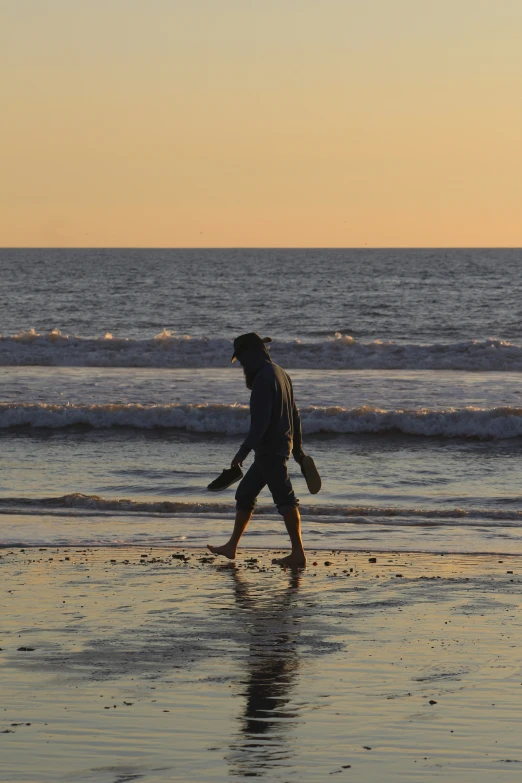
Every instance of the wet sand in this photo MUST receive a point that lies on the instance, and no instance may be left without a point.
(171, 665)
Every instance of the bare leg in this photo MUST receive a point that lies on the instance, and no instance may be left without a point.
(297, 557)
(230, 548)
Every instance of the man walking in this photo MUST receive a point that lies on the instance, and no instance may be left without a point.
(275, 432)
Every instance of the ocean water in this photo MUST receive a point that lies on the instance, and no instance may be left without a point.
(118, 403)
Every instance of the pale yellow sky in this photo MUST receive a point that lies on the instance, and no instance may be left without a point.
(179, 123)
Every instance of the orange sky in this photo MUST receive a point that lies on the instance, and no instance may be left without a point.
(179, 123)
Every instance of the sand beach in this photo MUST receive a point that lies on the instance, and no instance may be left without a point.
(171, 665)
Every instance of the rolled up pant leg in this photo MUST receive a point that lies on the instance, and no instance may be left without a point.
(249, 488)
(275, 472)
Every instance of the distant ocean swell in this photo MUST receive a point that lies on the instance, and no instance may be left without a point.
(494, 423)
(338, 352)
(354, 514)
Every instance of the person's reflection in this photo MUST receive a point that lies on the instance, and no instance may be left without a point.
(271, 620)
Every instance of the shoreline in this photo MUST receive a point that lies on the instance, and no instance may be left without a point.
(194, 548)
(168, 664)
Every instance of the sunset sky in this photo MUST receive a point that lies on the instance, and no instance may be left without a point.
(181, 123)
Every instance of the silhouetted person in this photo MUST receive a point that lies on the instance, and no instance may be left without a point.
(275, 433)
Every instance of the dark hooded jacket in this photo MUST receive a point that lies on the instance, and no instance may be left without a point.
(275, 424)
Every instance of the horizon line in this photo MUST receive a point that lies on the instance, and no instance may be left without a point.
(261, 247)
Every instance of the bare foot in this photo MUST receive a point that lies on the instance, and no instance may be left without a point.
(291, 561)
(227, 550)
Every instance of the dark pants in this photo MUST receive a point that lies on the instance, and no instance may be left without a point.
(265, 470)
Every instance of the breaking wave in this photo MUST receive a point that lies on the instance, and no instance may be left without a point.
(338, 352)
(90, 504)
(493, 423)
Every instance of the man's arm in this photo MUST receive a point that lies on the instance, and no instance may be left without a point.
(261, 402)
(297, 448)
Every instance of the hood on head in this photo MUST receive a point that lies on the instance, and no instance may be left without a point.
(246, 342)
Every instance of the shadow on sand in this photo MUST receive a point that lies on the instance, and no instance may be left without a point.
(272, 622)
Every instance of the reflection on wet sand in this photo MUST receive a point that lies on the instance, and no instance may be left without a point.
(272, 622)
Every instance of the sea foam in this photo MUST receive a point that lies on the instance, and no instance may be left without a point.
(494, 423)
(358, 514)
(337, 352)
